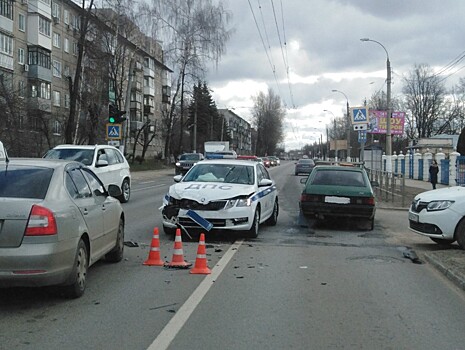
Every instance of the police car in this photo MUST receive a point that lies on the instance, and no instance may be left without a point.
(224, 194)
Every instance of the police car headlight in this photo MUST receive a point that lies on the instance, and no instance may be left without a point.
(438, 205)
(243, 202)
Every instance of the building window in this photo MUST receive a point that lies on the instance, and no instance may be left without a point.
(66, 16)
(57, 40)
(56, 98)
(44, 26)
(45, 90)
(6, 9)
(75, 48)
(21, 88)
(21, 22)
(67, 101)
(39, 56)
(40, 89)
(56, 127)
(66, 71)
(56, 10)
(66, 45)
(21, 58)
(6, 44)
(56, 71)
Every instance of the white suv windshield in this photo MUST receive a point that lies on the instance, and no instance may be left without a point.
(84, 156)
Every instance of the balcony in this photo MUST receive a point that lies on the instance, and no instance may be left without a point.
(40, 104)
(148, 110)
(136, 105)
(136, 125)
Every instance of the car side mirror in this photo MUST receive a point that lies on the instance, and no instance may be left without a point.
(265, 182)
(114, 190)
(177, 178)
(374, 183)
(303, 180)
(101, 163)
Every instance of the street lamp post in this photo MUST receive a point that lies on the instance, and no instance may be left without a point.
(348, 124)
(389, 110)
(327, 136)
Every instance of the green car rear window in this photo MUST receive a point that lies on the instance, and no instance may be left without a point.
(24, 182)
(339, 178)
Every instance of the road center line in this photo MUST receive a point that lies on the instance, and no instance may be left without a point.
(166, 336)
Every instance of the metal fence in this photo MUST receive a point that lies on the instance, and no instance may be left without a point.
(390, 185)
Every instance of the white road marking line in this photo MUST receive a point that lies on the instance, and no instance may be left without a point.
(166, 336)
(146, 187)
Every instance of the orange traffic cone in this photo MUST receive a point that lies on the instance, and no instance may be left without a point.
(177, 260)
(154, 254)
(200, 266)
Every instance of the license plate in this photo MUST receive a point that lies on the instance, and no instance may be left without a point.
(337, 200)
(413, 217)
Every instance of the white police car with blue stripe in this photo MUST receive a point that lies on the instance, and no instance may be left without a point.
(223, 194)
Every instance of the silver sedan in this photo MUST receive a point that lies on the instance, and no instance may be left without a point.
(56, 220)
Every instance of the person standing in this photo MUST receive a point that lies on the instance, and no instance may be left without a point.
(433, 172)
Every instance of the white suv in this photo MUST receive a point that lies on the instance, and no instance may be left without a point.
(106, 161)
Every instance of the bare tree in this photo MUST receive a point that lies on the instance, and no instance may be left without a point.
(268, 115)
(196, 34)
(74, 84)
(424, 99)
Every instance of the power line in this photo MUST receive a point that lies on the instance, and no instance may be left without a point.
(286, 66)
(264, 46)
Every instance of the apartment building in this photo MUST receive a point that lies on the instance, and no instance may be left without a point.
(39, 51)
(239, 130)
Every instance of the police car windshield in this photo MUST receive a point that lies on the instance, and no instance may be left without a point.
(225, 173)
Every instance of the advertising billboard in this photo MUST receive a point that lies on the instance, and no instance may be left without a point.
(378, 125)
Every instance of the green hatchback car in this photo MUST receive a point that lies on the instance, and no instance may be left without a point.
(338, 191)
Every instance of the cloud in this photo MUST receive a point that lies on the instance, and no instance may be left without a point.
(304, 49)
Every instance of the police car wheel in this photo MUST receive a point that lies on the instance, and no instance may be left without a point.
(253, 232)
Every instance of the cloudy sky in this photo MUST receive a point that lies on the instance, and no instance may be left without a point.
(314, 47)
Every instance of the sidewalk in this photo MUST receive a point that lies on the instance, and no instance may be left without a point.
(449, 260)
(403, 201)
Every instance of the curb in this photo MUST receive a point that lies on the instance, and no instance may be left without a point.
(455, 275)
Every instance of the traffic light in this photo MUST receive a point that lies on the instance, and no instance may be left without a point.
(114, 115)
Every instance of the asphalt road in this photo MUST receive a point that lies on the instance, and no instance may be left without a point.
(339, 287)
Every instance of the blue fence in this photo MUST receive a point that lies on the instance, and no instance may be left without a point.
(445, 163)
(460, 165)
(420, 169)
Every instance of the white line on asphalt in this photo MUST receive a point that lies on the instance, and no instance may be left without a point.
(143, 189)
(166, 336)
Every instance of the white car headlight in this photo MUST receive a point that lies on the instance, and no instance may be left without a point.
(438, 205)
(242, 202)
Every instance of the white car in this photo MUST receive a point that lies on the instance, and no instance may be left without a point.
(106, 161)
(222, 194)
(440, 215)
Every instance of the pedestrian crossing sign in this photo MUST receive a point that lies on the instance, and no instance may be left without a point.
(113, 131)
(359, 115)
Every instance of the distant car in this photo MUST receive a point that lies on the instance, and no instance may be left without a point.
(304, 166)
(106, 161)
(275, 160)
(266, 162)
(338, 191)
(224, 194)
(186, 161)
(57, 219)
(440, 215)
